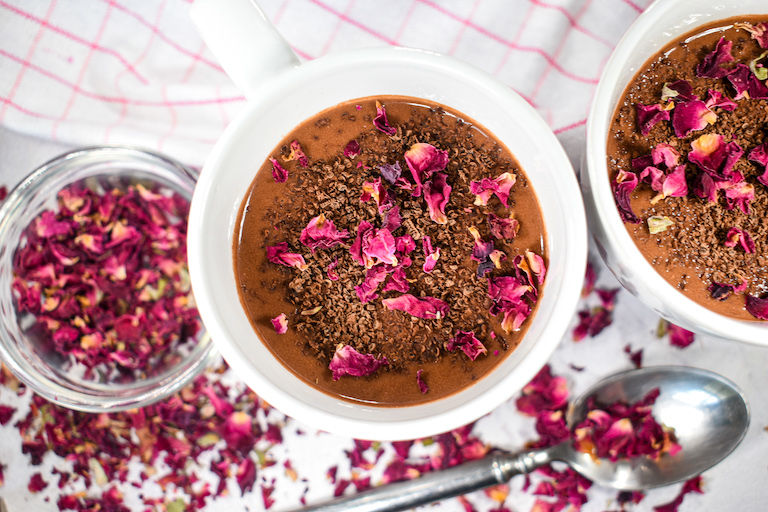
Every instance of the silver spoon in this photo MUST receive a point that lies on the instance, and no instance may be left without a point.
(708, 413)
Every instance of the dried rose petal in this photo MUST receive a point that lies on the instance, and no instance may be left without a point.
(381, 122)
(544, 392)
(713, 156)
(348, 361)
(590, 277)
(718, 99)
(591, 323)
(503, 228)
(739, 194)
(680, 90)
(757, 307)
(666, 154)
(483, 252)
(297, 154)
(759, 32)
(500, 186)
(36, 483)
(747, 85)
(649, 115)
(674, 185)
(278, 172)
(423, 160)
(711, 64)
(737, 236)
(420, 382)
(321, 233)
(398, 281)
(692, 485)
(330, 270)
(437, 193)
(376, 275)
(280, 322)
(431, 254)
(623, 185)
(6, 413)
(428, 308)
(375, 189)
(536, 265)
(690, 116)
(679, 337)
(391, 173)
(468, 343)
(720, 291)
(759, 154)
(279, 254)
(352, 149)
(658, 223)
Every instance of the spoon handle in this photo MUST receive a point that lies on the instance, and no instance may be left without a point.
(471, 476)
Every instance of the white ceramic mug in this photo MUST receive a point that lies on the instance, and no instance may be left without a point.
(663, 22)
(282, 93)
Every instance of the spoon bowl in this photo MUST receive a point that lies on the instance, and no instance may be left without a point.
(708, 413)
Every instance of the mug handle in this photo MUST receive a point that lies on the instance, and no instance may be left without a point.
(245, 42)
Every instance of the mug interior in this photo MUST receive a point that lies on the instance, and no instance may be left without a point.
(322, 84)
(661, 23)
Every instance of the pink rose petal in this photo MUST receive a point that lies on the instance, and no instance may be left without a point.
(376, 275)
(711, 65)
(500, 186)
(348, 361)
(623, 185)
(420, 382)
(280, 322)
(431, 254)
(321, 233)
(297, 154)
(278, 172)
(503, 228)
(759, 154)
(279, 254)
(737, 236)
(437, 193)
(757, 307)
(468, 343)
(713, 156)
(759, 32)
(428, 308)
(679, 91)
(650, 115)
(352, 149)
(423, 160)
(690, 116)
(381, 122)
(391, 173)
(746, 84)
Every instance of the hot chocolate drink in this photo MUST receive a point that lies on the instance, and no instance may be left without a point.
(687, 156)
(390, 251)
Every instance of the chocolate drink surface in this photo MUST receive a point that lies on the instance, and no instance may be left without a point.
(687, 156)
(390, 251)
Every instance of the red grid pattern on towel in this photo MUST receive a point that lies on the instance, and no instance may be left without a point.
(141, 74)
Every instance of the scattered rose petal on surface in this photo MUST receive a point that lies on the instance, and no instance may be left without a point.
(503, 228)
(690, 116)
(330, 270)
(297, 154)
(424, 160)
(352, 149)
(720, 291)
(279, 254)
(679, 91)
(431, 254)
(348, 361)
(278, 172)
(381, 122)
(650, 115)
(428, 308)
(280, 322)
(36, 483)
(468, 343)
(713, 156)
(375, 189)
(678, 337)
(437, 194)
(623, 185)
(500, 186)
(692, 485)
(391, 173)
(718, 99)
(590, 277)
(374, 276)
(740, 237)
(711, 64)
(746, 84)
(321, 233)
(635, 357)
(420, 382)
(591, 322)
(757, 307)
(545, 392)
(759, 32)
(759, 154)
